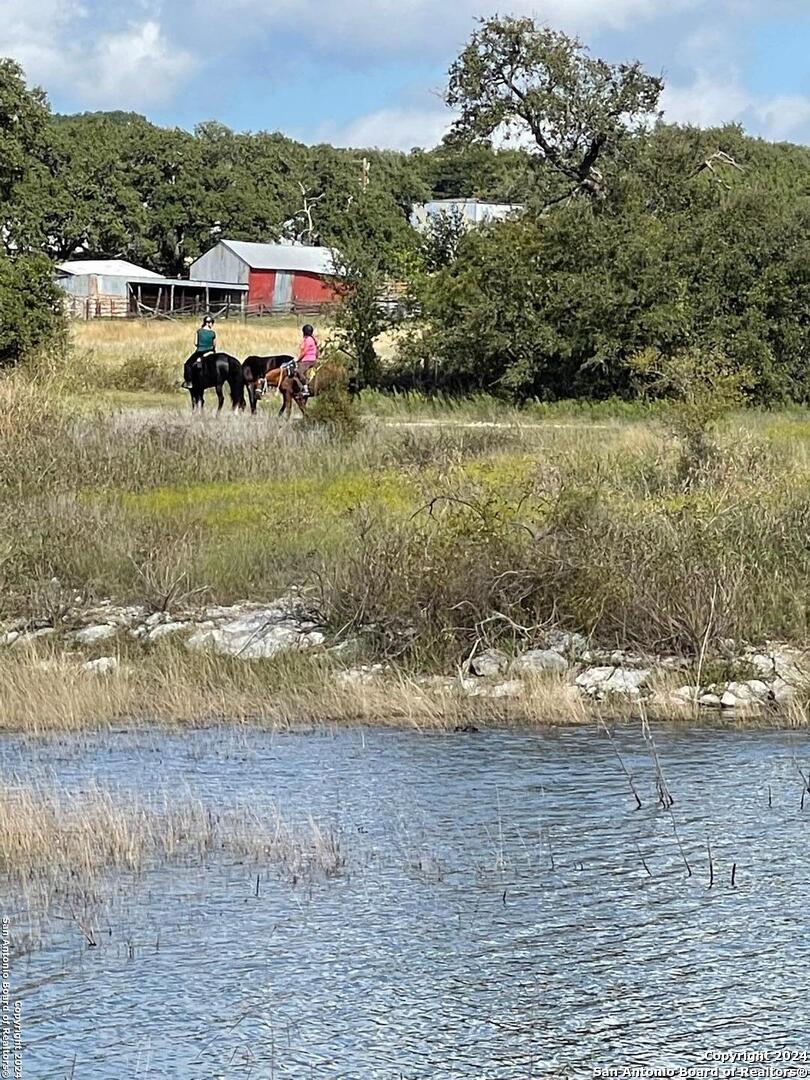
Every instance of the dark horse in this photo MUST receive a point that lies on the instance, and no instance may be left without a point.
(257, 368)
(213, 372)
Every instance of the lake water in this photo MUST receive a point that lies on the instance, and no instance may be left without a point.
(495, 918)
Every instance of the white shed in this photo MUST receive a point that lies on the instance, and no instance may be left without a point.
(472, 211)
(99, 287)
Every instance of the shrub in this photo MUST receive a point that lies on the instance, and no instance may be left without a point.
(141, 371)
(337, 410)
(704, 387)
(31, 310)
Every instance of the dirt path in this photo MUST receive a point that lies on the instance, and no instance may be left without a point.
(537, 425)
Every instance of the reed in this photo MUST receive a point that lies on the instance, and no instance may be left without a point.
(172, 687)
(60, 850)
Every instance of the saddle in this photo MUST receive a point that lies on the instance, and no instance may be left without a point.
(288, 370)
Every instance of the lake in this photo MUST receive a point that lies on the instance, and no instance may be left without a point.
(505, 911)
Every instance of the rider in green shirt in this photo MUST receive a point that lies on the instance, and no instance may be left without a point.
(205, 343)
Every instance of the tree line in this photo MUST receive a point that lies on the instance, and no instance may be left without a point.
(636, 234)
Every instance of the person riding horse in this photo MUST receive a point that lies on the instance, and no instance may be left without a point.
(205, 343)
(307, 356)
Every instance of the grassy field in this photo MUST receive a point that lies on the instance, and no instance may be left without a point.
(438, 528)
(140, 362)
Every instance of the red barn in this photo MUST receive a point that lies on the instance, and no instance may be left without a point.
(280, 277)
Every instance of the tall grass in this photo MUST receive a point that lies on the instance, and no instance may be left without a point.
(425, 540)
(169, 685)
(147, 355)
(60, 848)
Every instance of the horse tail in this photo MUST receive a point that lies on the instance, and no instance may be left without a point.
(237, 383)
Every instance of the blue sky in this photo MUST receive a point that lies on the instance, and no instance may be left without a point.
(369, 72)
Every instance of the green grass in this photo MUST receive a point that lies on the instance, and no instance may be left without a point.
(133, 399)
(583, 522)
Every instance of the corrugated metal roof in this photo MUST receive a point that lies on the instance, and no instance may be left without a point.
(186, 283)
(310, 260)
(105, 267)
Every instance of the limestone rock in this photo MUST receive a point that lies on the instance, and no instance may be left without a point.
(32, 635)
(367, 673)
(686, 694)
(164, 630)
(512, 688)
(673, 663)
(541, 661)
(783, 692)
(744, 695)
(627, 682)
(781, 662)
(574, 645)
(490, 663)
(92, 634)
(257, 635)
(105, 665)
(751, 691)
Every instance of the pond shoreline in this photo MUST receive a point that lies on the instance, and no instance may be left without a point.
(276, 665)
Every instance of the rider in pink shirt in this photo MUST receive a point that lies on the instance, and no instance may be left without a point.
(307, 353)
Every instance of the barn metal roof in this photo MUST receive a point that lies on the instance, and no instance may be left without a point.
(290, 257)
(188, 283)
(106, 268)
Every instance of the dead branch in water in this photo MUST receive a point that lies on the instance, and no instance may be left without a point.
(624, 768)
(643, 860)
(665, 797)
(680, 845)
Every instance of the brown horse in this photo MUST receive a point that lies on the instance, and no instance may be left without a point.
(291, 388)
(256, 370)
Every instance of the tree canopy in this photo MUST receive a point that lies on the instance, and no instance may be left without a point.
(30, 310)
(635, 234)
(543, 87)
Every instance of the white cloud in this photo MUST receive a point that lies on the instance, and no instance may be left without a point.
(134, 68)
(394, 129)
(422, 27)
(112, 54)
(784, 117)
(31, 34)
(708, 101)
(721, 98)
(129, 64)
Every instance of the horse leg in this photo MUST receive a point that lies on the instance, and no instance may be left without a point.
(220, 398)
(251, 389)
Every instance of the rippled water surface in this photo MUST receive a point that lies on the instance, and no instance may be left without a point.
(495, 919)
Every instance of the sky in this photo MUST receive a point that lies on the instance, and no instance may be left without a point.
(370, 72)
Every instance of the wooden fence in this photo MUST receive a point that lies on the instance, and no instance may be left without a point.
(131, 307)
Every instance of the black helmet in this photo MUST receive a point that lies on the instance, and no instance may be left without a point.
(208, 321)
(308, 330)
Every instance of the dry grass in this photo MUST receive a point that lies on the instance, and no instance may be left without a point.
(171, 687)
(80, 836)
(436, 537)
(59, 850)
(141, 354)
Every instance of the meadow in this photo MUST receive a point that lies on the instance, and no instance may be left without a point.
(436, 529)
